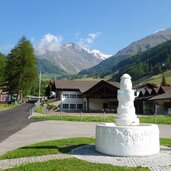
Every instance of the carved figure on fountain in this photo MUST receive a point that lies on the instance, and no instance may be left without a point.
(126, 96)
(126, 102)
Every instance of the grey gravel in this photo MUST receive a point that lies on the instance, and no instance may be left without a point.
(158, 162)
(9, 163)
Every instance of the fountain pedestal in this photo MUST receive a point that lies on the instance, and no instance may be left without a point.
(141, 140)
(126, 137)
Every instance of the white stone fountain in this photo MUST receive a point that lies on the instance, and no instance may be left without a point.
(126, 137)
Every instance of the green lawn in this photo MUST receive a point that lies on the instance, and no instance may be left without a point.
(157, 78)
(160, 119)
(70, 164)
(73, 164)
(76, 118)
(57, 146)
(48, 147)
(6, 106)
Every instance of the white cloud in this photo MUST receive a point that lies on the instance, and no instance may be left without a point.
(94, 35)
(88, 42)
(50, 43)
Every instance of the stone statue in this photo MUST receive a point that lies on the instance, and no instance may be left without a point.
(126, 110)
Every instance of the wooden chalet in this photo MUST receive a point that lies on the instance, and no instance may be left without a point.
(71, 95)
(153, 98)
(162, 101)
(74, 95)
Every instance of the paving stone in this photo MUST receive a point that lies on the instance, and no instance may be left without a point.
(158, 162)
(9, 163)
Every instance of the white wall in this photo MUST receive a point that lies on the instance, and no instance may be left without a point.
(70, 100)
(94, 104)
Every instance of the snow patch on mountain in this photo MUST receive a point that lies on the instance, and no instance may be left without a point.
(98, 54)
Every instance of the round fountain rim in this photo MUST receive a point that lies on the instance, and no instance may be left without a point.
(113, 125)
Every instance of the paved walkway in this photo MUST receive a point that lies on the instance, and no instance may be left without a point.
(47, 130)
(51, 130)
(157, 162)
(9, 163)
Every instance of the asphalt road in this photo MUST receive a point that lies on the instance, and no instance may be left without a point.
(14, 120)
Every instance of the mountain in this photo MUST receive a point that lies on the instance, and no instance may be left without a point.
(98, 54)
(69, 59)
(47, 67)
(107, 66)
(145, 64)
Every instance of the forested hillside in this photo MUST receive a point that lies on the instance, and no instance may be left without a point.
(148, 63)
(46, 66)
(106, 67)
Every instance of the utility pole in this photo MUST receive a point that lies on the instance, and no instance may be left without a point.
(39, 85)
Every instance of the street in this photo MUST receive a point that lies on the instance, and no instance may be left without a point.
(14, 120)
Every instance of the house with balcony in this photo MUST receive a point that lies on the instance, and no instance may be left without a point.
(153, 98)
(73, 95)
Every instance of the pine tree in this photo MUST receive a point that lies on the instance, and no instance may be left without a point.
(163, 81)
(21, 72)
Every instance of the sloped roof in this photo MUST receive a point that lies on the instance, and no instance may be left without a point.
(103, 89)
(156, 90)
(166, 88)
(146, 85)
(82, 86)
(162, 96)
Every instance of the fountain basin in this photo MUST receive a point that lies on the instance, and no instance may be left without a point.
(139, 140)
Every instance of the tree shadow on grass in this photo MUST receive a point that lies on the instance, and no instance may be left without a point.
(63, 149)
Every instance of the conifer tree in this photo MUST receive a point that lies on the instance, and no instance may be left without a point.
(3, 61)
(163, 81)
(21, 72)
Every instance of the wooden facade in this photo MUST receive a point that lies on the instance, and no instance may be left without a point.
(93, 95)
(153, 99)
(102, 96)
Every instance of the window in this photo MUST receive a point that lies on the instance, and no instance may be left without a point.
(72, 106)
(65, 106)
(72, 95)
(66, 95)
(79, 96)
(105, 105)
(79, 106)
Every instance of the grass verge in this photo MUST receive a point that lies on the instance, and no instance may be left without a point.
(73, 164)
(160, 119)
(57, 146)
(76, 118)
(165, 142)
(48, 147)
(6, 106)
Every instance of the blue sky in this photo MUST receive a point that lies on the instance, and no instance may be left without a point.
(106, 25)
